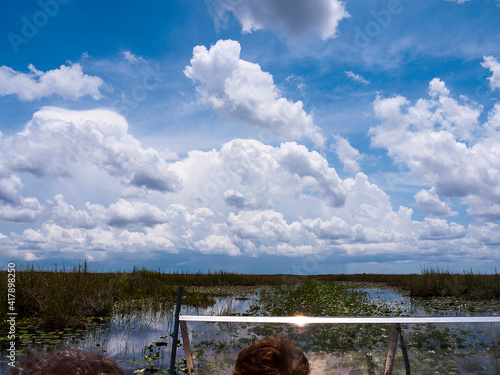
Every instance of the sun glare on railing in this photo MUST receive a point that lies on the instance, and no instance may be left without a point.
(300, 320)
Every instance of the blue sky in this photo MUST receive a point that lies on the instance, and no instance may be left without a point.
(318, 136)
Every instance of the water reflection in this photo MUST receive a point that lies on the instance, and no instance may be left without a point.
(402, 304)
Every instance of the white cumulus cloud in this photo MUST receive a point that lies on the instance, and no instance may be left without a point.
(69, 82)
(252, 173)
(28, 210)
(494, 66)
(220, 245)
(102, 243)
(348, 155)
(13, 206)
(439, 229)
(9, 189)
(63, 212)
(443, 141)
(431, 205)
(57, 140)
(332, 229)
(242, 91)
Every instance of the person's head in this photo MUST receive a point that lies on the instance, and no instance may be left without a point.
(271, 356)
(65, 362)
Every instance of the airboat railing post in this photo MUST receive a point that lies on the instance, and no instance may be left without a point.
(187, 348)
(391, 349)
(176, 331)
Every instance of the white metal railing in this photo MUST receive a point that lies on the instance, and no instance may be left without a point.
(302, 320)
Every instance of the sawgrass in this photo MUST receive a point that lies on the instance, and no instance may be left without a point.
(434, 283)
(60, 298)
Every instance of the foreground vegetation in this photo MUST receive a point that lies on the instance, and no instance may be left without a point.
(63, 298)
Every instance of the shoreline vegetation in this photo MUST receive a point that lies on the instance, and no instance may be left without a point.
(59, 298)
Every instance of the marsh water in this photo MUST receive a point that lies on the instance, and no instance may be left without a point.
(140, 339)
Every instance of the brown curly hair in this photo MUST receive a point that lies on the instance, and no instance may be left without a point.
(65, 362)
(271, 356)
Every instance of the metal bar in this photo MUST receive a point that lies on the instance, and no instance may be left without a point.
(176, 331)
(302, 320)
(391, 349)
(187, 348)
(405, 352)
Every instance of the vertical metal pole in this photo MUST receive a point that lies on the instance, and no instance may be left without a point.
(176, 331)
(187, 348)
(405, 353)
(391, 350)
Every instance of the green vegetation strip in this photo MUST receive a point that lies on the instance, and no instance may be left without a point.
(318, 298)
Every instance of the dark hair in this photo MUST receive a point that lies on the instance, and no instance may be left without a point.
(271, 356)
(65, 362)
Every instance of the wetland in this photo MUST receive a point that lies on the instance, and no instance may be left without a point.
(136, 328)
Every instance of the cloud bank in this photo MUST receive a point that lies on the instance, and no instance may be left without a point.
(245, 199)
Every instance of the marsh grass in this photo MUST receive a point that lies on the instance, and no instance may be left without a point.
(466, 284)
(62, 297)
(434, 283)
